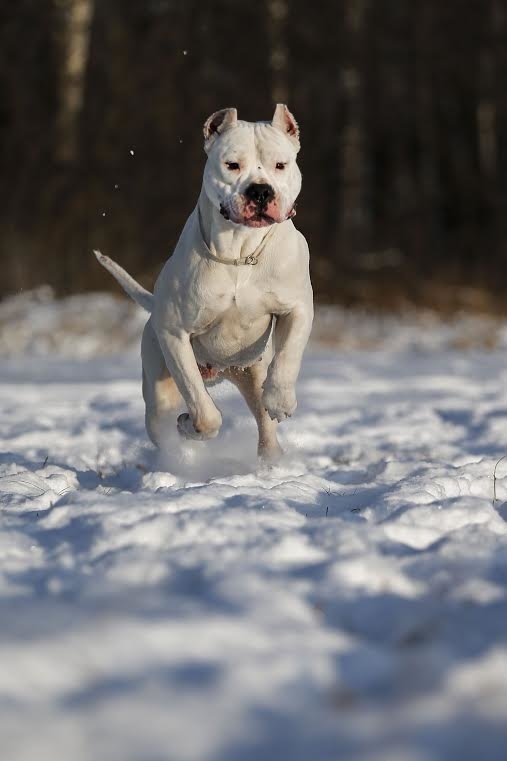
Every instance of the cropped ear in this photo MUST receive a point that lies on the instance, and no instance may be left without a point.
(218, 123)
(285, 122)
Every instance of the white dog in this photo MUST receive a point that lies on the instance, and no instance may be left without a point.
(234, 300)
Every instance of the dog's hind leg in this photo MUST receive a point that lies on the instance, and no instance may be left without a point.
(161, 396)
(249, 381)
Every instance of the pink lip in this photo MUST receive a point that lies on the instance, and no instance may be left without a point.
(259, 220)
(252, 217)
(256, 220)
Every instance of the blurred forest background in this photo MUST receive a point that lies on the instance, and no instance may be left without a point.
(402, 108)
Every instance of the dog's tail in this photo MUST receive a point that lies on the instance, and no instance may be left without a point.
(140, 295)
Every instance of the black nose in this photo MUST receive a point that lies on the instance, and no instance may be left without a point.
(260, 193)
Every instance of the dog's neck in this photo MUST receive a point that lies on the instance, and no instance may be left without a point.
(224, 238)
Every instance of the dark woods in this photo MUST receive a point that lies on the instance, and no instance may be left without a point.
(402, 106)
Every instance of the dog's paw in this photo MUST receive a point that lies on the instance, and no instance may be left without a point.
(200, 433)
(279, 401)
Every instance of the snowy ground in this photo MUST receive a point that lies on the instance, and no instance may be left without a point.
(350, 603)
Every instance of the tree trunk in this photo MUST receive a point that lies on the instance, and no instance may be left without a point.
(353, 218)
(76, 20)
(278, 12)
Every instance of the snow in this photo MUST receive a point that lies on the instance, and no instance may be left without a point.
(348, 603)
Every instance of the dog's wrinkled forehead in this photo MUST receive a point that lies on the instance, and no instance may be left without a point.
(258, 141)
(282, 132)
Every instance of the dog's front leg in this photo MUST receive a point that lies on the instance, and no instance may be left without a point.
(204, 420)
(292, 331)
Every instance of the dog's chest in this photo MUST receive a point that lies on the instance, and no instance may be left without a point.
(232, 326)
(236, 301)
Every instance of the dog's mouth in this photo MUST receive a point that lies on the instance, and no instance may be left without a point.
(260, 218)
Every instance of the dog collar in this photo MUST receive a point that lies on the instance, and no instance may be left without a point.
(251, 259)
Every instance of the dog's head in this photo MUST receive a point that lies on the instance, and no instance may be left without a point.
(251, 174)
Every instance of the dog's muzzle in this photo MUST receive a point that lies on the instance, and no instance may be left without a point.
(258, 207)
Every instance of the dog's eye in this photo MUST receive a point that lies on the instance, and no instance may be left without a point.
(233, 166)
(280, 165)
